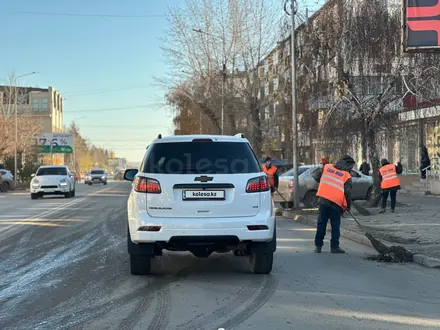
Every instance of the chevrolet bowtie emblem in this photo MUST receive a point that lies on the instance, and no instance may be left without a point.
(204, 178)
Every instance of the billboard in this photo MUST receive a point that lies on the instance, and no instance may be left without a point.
(57, 143)
(421, 26)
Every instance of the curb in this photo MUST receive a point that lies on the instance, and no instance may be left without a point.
(418, 258)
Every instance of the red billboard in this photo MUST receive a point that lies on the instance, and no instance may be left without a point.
(421, 25)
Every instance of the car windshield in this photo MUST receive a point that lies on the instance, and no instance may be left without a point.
(301, 170)
(97, 172)
(201, 157)
(52, 171)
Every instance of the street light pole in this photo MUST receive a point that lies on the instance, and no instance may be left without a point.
(294, 106)
(16, 124)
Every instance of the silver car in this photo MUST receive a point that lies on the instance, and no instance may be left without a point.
(7, 180)
(308, 187)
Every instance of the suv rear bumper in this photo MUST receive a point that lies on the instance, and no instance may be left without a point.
(180, 227)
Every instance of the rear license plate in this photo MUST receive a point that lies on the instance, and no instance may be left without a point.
(203, 195)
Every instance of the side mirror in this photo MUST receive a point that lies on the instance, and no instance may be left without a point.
(129, 175)
(33, 175)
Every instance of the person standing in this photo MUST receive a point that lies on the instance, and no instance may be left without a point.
(389, 183)
(324, 161)
(272, 174)
(334, 194)
(365, 167)
(424, 161)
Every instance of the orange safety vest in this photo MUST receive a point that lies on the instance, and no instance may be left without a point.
(331, 186)
(389, 176)
(270, 174)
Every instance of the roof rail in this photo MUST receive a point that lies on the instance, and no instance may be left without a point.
(159, 136)
(239, 135)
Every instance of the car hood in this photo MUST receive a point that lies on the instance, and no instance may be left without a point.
(50, 179)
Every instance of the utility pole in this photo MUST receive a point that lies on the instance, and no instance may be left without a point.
(223, 95)
(16, 123)
(294, 107)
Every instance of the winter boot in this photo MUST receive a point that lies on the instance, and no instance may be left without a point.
(337, 250)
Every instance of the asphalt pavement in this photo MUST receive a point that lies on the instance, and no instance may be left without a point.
(63, 265)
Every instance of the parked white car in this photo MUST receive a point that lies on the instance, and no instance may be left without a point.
(201, 194)
(52, 180)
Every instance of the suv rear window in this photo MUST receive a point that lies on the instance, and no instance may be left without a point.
(97, 172)
(52, 171)
(201, 158)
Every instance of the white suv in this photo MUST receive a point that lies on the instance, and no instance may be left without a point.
(52, 180)
(201, 194)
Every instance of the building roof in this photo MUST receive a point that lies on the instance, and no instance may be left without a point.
(25, 89)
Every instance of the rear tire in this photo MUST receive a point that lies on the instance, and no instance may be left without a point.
(310, 199)
(34, 196)
(4, 187)
(261, 263)
(140, 264)
(369, 192)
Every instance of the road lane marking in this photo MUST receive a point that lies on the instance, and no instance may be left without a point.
(61, 207)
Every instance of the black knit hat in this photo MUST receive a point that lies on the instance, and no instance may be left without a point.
(348, 159)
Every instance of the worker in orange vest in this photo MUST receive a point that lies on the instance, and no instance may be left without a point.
(334, 194)
(272, 174)
(389, 183)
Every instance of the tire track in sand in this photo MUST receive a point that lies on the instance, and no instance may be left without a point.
(241, 297)
(163, 295)
(255, 304)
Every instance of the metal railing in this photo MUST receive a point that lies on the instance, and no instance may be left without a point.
(432, 173)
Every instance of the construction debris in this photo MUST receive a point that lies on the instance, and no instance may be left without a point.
(393, 254)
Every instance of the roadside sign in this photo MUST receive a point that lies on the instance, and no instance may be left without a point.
(57, 143)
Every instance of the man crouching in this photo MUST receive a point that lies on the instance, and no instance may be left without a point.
(334, 194)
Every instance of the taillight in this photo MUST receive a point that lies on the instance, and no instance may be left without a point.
(147, 185)
(257, 185)
(290, 184)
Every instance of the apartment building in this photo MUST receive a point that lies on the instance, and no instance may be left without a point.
(43, 104)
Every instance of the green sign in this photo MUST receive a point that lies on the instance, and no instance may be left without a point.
(55, 149)
(62, 143)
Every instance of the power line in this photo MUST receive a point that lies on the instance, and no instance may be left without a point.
(88, 15)
(101, 91)
(109, 109)
(124, 126)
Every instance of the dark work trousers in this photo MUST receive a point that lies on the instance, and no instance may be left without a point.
(393, 194)
(327, 212)
(423, 174)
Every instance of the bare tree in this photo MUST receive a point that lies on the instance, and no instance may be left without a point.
(14, 99)
(235, 35)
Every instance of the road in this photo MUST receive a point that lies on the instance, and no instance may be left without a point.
(64, 266)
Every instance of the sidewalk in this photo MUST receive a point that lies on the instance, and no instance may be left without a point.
(415, 226)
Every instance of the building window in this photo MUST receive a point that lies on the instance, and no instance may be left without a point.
(44, 104)
(275, 58)
(35, 105)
